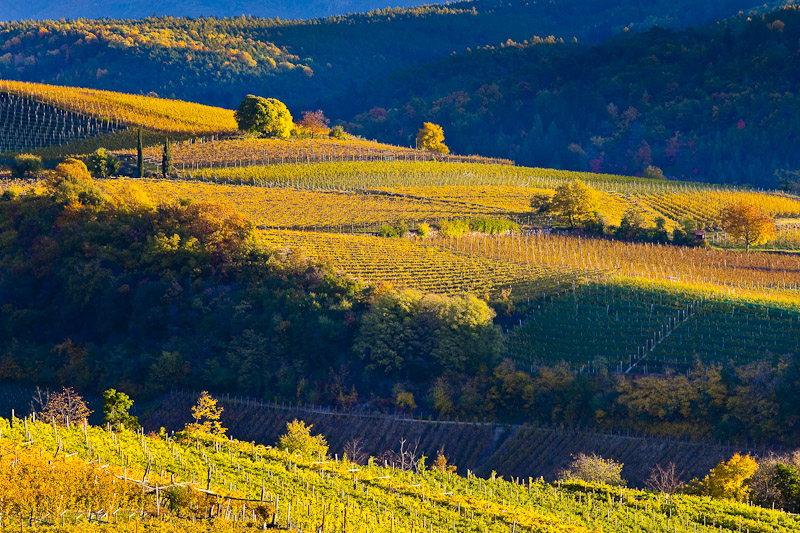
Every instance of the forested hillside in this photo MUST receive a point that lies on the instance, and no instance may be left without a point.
(285, 9)
(618, 107)
(307, 64)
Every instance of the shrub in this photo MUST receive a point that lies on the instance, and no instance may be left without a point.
(298, 439)
(399, 229)
(103, 163)
(26, 165)
(594, 469)
(453, 228)
(423, 230)
(492, 225)
(337, 132)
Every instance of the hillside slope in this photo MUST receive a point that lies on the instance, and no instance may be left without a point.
(714, 103)
(125, 9)
(241, 486)
(307, 64)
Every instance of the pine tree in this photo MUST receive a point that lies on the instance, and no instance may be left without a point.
(166, 160)
(139, 155)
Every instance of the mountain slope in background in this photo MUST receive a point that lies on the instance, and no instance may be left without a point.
(124, 9)
(308, 64)
(678, 95)
(716, 103)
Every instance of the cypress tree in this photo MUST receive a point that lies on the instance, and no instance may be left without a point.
(166, 160)
(140, 155)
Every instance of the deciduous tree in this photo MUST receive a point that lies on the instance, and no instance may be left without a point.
(431, 138)
(745, 221)
(266, 116)
(103, 163)
(594, 469)
(63, 408)
(116, 405)
(298, 439)
(574, 201)
(206, 414)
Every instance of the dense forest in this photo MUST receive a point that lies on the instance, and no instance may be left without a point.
(618, 107)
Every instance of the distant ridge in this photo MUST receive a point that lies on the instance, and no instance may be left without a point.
(285, 9)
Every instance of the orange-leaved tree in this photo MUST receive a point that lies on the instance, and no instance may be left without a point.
(744, 220)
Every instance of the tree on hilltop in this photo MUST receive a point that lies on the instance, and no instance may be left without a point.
(266, 116)
(745, 221)
(431, 138)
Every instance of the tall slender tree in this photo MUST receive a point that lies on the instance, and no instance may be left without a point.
(166, 160)
(139, 155)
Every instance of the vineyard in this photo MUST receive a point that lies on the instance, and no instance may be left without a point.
(235, 484)
(126, 110)
(511, 451)
(192, 156)
(635, 326)
(418, 265)
(498, 187)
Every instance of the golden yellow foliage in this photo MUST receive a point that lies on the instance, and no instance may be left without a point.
(728, 480)
(744, 220)
(156, 114)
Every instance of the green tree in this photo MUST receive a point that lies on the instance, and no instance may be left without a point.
(574, 201)
(166, 160)
(298, 439)
(631, 225)
(103, 163)
(26, 165)
(115, 408)
(139, 154)
(338, 133)
(420, 336)
(266, 116)
(787, 481)
(431, 138)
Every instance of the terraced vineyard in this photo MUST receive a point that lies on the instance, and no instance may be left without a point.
(424, 267)
(255, 484)
(305, 208)
(511, 451)
(155, 114)
(635, 326)
(27, 125)
(192, 156)
(778, 274)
